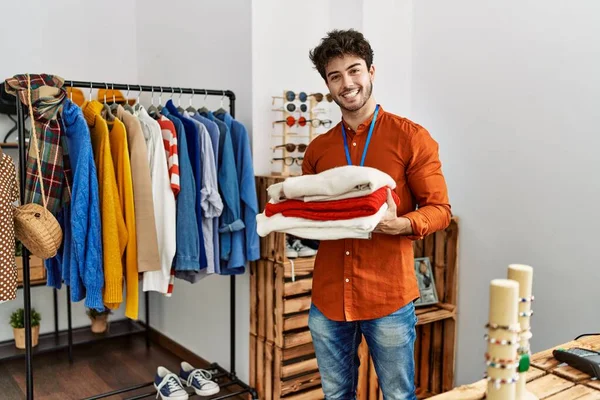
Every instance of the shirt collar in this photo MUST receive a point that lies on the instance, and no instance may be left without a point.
(365, 124)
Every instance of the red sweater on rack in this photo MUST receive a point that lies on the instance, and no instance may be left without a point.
(334, 209)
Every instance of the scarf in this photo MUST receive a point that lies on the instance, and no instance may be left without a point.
(47, 97)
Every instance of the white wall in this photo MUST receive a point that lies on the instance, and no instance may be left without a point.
(511, 92)
(71, 39)
(282, 35)
(388, 28)
(201, 45)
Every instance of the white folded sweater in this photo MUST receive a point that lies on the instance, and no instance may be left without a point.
(345, 182)
(353, 228)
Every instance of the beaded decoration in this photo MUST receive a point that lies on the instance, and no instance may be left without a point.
(526, 300)
(500, 360)
(510, 328)
(501, 381)
(494, 364)
(526, 313)
(501, 342)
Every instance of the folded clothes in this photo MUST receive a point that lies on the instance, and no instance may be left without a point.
(354, 228)
(334, 209)
(344, 182)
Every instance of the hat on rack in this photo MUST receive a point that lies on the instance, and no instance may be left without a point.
(118, 96)
(76, 96)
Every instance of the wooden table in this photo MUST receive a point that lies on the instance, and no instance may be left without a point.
(546, 379)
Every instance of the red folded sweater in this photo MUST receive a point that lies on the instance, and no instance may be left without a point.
(332, 210)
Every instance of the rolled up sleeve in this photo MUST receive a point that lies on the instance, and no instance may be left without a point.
(428, 186)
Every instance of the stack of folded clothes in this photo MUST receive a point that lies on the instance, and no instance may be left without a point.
(340, 203)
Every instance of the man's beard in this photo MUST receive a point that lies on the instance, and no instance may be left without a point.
(366, 96)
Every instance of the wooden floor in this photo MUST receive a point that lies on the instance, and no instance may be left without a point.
(98, 368)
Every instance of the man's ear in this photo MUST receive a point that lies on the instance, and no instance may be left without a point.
(372, 72)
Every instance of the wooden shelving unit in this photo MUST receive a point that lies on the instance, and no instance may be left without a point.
(282, 361)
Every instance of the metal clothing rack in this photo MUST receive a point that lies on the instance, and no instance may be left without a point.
(220, 372)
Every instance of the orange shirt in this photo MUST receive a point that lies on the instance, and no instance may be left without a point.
(357, 279)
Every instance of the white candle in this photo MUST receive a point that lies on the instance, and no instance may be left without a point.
(502, 343)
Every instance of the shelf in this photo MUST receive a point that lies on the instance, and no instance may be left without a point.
(49, 342)
(437, 312)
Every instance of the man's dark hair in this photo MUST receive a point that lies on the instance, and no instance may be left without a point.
(338, 43)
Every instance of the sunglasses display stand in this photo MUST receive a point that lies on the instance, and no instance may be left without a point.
(299, 132)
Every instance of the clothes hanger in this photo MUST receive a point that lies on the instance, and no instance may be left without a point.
(153, 110)
(203, 110)
(108, 115)
(179, 108)
(221, 110)
(114, 105)
(126, 106)
(137, 106)
(172, 94)
(191, 109)
(160, 106)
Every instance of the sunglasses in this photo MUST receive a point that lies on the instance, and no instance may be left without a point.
(318, 122)
(319, 97)
(291, 147)
(291, 96)
(291, 107)
(291, 121)
(289, 161)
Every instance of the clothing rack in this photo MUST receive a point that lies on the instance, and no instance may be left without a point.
(233, 380)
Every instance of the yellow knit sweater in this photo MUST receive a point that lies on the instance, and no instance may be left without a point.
(120, 158)
(114, 232)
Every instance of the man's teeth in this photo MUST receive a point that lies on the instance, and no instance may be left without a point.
(350, 94)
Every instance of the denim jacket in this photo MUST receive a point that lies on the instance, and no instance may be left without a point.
(187, 255)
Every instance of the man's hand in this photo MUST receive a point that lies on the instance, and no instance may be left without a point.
(390, 223)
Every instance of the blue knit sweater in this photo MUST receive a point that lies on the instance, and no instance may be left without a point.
(82, 259)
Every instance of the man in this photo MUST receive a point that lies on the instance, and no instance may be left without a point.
(367, 287)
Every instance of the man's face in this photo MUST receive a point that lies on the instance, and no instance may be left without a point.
(349, 81)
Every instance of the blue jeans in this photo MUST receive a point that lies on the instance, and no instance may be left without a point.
(390, 340)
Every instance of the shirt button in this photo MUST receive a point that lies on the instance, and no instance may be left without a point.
(347, 253)
(354, 144)
(347, 280)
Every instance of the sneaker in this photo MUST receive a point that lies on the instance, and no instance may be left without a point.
(313, 244)
(168, 385)
(290, 252)
(303, 251)
(199, 379)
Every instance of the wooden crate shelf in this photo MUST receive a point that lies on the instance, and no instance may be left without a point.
(282, 353)
(283, 365)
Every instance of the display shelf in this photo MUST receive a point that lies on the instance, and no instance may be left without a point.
(49, 342)
(434, 313)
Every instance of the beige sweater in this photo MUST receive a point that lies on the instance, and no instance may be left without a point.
(147, 242)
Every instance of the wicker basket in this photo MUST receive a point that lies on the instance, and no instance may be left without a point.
(38, 230)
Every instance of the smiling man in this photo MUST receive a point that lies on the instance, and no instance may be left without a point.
(367, 287)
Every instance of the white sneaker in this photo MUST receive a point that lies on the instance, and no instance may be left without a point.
(168, 385)
(303, 251)
(290, 252)
(199, 379)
